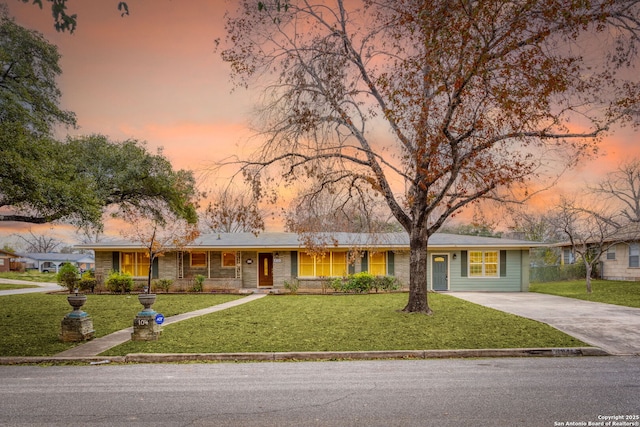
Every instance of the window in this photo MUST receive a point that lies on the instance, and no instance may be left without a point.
(611, 252)
(228, 259)
(634, 255)
(198, 259)
(135, 263)
(483, 264)
(339, 263)
(306, 265)
(567, 255)
(331, 264)
(378, 263)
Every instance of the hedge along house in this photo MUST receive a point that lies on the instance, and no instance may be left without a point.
(246, 262)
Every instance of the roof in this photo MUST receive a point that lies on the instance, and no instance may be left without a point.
(283, 240)
(58, 257)
(625, 234)
(4, 253)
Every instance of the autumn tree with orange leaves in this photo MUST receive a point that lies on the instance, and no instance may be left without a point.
(434, 105)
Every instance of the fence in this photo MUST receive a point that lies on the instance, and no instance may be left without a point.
(555, 273)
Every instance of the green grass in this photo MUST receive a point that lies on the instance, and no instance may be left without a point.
(607, 291)
(31, 275)
(349, 323)
(7, 286)
(30, 323)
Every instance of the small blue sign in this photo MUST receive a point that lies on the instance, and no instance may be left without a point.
(159, 319)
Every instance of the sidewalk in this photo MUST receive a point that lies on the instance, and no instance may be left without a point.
(98, 345)
(613, 328)
(41, 287)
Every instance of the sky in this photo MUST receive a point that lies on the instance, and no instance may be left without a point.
(154, 76)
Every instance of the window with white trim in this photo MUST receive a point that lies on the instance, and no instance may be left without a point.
(634, 255)
(567, 255)
(483, 263)
(611, 252)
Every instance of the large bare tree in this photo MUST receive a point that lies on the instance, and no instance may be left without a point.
(591, 231)
(435, 105)
(622, 188)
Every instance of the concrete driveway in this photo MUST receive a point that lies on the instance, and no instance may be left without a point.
(613, 328)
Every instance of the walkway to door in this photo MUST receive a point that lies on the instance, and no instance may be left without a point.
(613, 328)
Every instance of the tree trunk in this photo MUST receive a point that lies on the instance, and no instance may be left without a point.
(151, 257)
(588, 268)
(417, 275)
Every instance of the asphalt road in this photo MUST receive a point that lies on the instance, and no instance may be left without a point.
(483, 392)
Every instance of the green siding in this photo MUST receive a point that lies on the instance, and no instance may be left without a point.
(463, 264)
(511, 281)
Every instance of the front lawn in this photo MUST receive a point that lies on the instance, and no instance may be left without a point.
(30, 323)
(30, 275)
(349, 323)
(607, 291)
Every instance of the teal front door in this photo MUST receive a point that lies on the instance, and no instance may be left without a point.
(440, 269)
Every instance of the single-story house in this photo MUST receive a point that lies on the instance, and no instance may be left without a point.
(620, 259)
(5, 260)
(51, 262)
(243, 261)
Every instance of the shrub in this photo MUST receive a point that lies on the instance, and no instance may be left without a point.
(119, 282)
(386, 283)
(337, 284)
(88, 281)
(364, 282)
(68, 276)
(292, 286)
(163, 284)
(198, 282)
(360, 283)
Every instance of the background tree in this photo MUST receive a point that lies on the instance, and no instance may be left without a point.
(79, 180)
(158, 234)
(43, 180)
(29, 67)
(622, 187)
(38, 243)
(63, 21)
(232, 211)
(591, 231)
(434, 105)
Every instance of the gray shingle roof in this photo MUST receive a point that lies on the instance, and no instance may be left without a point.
(282, 240)
(57, 257)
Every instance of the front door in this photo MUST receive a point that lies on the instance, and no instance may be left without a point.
(440, 268)
(265, 270)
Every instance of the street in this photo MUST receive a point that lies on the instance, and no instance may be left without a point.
(457, 392)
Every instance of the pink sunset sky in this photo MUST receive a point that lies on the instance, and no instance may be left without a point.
(154, 76)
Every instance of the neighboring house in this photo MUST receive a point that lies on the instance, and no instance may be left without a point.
(5, 260)
(620, 259)
(246, 261)
(51, 262)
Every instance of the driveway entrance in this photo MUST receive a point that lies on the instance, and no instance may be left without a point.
(613, 328)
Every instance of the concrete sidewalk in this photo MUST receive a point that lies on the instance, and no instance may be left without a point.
(41, 287)
(613, 328)
(98, 345)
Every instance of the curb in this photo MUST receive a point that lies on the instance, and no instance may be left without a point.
(309, 356)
